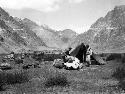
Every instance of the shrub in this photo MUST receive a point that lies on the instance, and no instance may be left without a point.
(13, 78)
(56, 80)
(119, 73)
(123, 58)
(121, 85)
(113, 57)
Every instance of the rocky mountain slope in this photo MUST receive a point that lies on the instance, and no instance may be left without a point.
(52, 38)
(67, 35)
(112, 29)
(15, 35)
(108, 32)
(23, 34)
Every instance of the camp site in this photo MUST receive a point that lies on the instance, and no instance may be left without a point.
(42, 72)
(62, 46)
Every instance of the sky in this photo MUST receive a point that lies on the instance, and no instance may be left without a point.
(77, 15)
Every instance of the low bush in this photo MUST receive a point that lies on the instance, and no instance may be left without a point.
(113, 57)
(119, 73)
(7, 78)
(56, 80)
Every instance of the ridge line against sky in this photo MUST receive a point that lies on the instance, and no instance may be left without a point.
(77, 15)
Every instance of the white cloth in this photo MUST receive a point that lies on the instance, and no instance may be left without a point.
(74, 64)
(88, 58)
(88, 54)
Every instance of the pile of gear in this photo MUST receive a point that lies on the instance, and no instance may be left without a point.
(81, 55)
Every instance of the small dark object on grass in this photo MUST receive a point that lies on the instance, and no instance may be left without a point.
(36, 65)
(27, 66)
(60, 66)
(3, 60)
(58, 63)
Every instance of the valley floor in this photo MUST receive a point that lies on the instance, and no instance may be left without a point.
(49, 80)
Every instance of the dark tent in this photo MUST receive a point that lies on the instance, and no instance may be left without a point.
(75, 51)
(98, 59)
(79, 51)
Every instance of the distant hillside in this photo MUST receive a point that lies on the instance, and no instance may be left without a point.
(107, 33)
(15, 35)
(67, 35)
(52, 38)
(23, 34)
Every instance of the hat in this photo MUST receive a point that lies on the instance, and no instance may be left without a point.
(70, 48)
(87, 46)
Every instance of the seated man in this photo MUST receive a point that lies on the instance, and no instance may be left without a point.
(67, 52)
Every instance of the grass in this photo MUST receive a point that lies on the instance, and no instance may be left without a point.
(50, 76)
(43, 80)
(119, 74)
(10, 78)
(51, 80)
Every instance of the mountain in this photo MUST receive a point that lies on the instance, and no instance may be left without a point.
(67, 35)
(85, 38)
(24, 34)
(15, 35)
(52, 38)
(30, 24)
(48, 35)
(107, 33)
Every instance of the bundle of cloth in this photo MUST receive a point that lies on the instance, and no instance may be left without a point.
(68, 62)
(72, 63)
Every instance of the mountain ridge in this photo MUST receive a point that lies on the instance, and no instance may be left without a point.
(16, 35)
(107, 33)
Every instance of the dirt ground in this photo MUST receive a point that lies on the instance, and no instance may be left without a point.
(96, 79)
